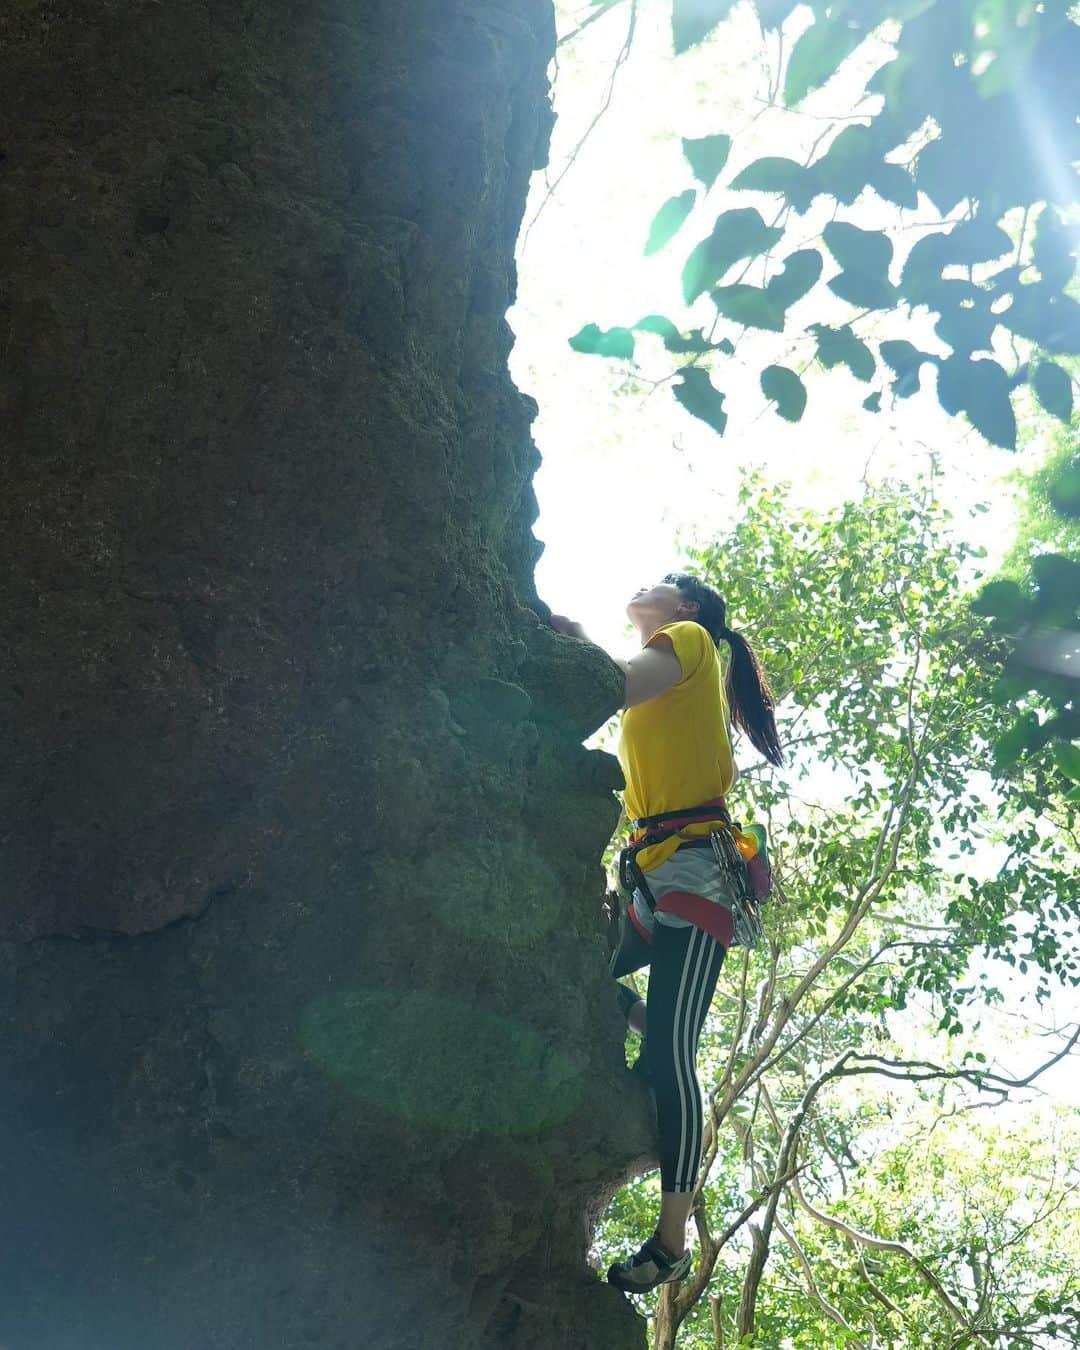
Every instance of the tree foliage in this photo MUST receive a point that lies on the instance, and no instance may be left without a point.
(1037, 602)
(915, 888)
(972, 120)
(975, 118)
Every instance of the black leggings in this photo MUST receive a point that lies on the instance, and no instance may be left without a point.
(685, 964)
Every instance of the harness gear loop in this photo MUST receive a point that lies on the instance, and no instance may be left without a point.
(745, 903)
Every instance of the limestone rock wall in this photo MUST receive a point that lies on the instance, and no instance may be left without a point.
(305, 1033)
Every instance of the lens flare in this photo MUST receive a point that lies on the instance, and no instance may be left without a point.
(435, 1060)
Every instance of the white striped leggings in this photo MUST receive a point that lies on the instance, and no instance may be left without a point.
(685, 964)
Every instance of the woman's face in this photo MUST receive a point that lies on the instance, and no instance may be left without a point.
(658, 604)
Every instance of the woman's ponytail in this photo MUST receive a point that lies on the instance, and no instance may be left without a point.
(749, 697)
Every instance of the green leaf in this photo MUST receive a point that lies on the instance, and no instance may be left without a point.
(1063, 490)
(707, 156)
(866, 292)
(905, 361)
(1020, 738)
(976, 241)
(893, 183)
(693, 20)
(840, 346)
(873, 403)
(844, 170)
(818, 54)
(858, 250)
(966, 322)
(1009, 686)
(594, 341)
(865, 256)
(801, 270)
(936, 174)
(1002, 600)
(786, 389)
(749, 305)
(695, 341)
(772, 13)
(981, 390)
(698, 395)
(1053, 389)
(658, 324)
(923, 268)
(737, 234)
(1053, 252)
(1059, 690)
(669, 219)
(1052, 321)
(1057, 578)
(1067, 758)
(771, 174)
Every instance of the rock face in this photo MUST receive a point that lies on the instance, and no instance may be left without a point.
(306, 1036)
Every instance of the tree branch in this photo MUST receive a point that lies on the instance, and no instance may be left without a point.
(887, 1245)
(834, 1314)
(920, 1070)
(597, 13)
(620, 60)
(785, 1164)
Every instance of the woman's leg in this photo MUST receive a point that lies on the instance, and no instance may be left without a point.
(632, 952)
(685, 965)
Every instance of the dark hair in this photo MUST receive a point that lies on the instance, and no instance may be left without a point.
(749, 696)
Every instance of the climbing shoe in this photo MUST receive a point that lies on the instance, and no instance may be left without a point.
(626, 998)
(647, 1268)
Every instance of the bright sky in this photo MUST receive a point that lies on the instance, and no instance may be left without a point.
(623, 471)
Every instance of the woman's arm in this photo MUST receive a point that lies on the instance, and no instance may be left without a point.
(649, 672)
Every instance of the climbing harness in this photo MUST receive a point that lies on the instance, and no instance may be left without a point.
(740, 854)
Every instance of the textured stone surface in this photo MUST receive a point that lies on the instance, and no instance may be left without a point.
(305, 1033)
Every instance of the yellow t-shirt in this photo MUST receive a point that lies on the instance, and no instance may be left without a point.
(674, 749)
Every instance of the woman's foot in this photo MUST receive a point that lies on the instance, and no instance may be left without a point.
(653, 1264)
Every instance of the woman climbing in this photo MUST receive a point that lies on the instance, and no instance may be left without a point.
(675, 752)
